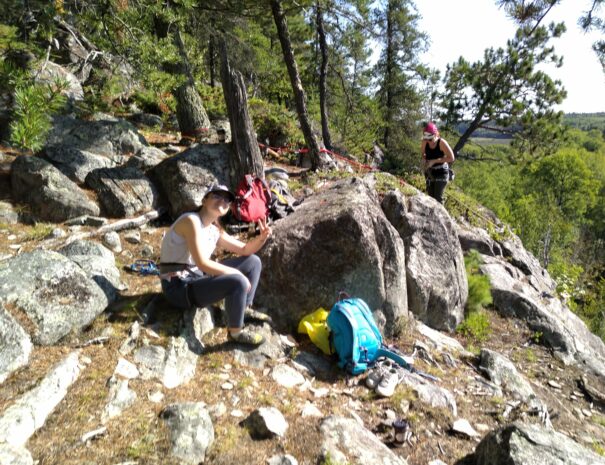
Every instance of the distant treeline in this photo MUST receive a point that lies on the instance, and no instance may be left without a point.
(586, 121)
(583, 121)
(485, 133)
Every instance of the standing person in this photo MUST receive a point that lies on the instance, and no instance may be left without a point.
(436, 156)
(190, 277)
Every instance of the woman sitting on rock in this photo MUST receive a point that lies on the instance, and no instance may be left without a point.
(191, 278)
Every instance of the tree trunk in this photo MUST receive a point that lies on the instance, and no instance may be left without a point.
(389, 78)
(323, 74)
(247, 157)
(190, 112)
(212, 61)
(469, 132)
(297, 88)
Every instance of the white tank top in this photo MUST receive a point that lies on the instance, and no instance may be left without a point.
(174, 247)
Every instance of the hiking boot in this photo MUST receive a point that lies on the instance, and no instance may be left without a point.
(251, 314)
(388, 383)
(247, 337)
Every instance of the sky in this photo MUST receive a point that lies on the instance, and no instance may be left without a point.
(467, 28)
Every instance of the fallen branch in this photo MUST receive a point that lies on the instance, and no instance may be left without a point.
(127, 223)
(77, 35)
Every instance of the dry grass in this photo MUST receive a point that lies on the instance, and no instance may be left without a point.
(140, 435)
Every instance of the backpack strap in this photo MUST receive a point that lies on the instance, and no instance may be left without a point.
(267, 191)
(384, 352)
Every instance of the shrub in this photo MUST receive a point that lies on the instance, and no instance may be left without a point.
(274, 123)
(479, 294)
(476, 325)
(34, 105)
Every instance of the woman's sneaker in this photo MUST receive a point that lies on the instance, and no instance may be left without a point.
(247, 337)
(374, 377)
(388, 383)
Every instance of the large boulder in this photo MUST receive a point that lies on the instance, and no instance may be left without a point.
(123, 191)
(51, 195)
(15, 345)
(336, 240)
(515, 296)
(472, 237)
(110, 137)
(99, 264)
(52, 73)
(184, 178)
(50, 294)
(436, 277)
(526, 444)
(75, 163)
(147, 158)
(503, 373)
(521, 258)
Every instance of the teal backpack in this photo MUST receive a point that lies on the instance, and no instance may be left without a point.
(356, 338)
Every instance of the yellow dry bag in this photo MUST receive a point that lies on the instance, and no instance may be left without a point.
(314, 324)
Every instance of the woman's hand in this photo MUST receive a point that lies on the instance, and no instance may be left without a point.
(265, 231)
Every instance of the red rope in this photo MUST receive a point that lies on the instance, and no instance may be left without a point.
(288, 149)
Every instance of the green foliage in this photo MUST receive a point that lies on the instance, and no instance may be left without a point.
(567, 276)
(565, 181)
(396, 71)
(213, 100)
(593, 309)
(507, 89)
(34, 105)
(8, 38)
(479, 294)
(586, 121)
(327, 459)
(475, 326)
(273, 122)
(597, 447)
(39, 231)
(530, 355)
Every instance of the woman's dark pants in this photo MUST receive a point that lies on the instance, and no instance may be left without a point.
(435, 186)
(201, 291)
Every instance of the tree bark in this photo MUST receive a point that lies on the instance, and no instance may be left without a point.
(247, 157)
(299, 93)
(390, 65)
(323, 74)
(190, 112)
(212, 61)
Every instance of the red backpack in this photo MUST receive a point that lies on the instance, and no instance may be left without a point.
(252, 199)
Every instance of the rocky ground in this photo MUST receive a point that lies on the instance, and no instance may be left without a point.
(120, 397)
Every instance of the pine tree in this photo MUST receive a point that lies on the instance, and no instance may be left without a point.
(506, 89)
(398, 71)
